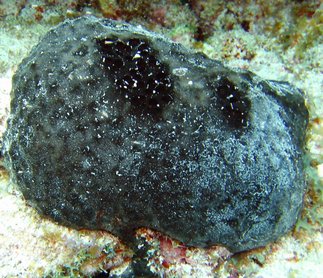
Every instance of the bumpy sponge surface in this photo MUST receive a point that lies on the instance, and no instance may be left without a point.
(114, 127)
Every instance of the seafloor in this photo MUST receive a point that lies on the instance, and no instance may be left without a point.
(280, 40)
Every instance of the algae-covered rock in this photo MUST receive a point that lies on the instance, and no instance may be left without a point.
(114, 127)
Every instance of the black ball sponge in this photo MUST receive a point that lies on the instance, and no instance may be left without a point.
(114, 127)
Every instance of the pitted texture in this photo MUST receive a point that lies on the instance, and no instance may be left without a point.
(115, 127)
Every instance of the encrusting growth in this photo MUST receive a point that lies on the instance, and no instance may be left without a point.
(115, 127)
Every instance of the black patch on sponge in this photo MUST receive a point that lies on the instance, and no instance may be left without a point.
(233, 103)
(139, 77)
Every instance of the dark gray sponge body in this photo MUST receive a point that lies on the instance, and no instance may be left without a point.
(114, 127)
